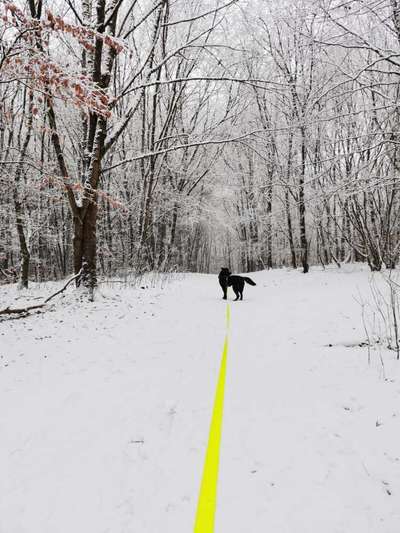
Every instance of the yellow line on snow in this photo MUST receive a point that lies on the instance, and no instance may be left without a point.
(206, 507)
(228, 317)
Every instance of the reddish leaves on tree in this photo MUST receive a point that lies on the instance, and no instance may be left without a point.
(84, 35)
(28, 63)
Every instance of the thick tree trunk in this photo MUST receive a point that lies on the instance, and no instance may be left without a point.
(85, 246)
(89, 247)
(77, 242)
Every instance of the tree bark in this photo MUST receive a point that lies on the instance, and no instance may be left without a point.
(302, 207)
(287, 202)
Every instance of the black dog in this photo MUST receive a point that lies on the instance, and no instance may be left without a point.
(226, 280)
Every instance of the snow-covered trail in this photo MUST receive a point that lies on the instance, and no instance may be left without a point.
(106, 410)
(302, 451)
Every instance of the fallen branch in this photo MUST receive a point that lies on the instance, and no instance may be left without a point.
(8, 311)
(65, 286)
(28, 308)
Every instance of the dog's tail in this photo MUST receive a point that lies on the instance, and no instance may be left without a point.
(249, 281)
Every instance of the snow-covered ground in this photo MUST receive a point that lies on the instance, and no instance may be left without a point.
(105, 410)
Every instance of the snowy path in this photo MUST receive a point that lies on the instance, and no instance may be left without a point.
(302, 451)
(106, 409)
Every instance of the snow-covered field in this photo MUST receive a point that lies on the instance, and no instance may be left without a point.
(105, 410)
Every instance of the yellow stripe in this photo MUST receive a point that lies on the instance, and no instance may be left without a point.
(206, 507)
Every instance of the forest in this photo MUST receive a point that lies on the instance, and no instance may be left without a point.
(187, 135)
(145, 147)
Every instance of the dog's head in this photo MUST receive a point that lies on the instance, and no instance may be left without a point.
(225, 272)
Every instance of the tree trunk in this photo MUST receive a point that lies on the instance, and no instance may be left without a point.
(24, 251)
(85, 245)
(302, 207)
(287, 203)
(269, 217)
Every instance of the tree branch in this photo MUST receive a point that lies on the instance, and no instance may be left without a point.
(28, 308)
